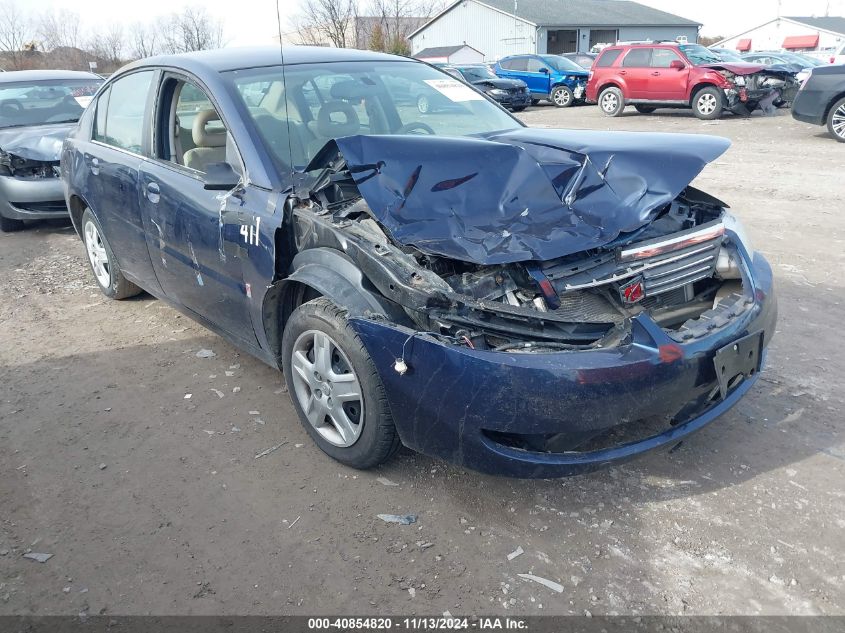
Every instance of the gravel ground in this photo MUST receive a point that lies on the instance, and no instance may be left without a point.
(155, 503)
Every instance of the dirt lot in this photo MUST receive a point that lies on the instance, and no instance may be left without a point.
(152, 503)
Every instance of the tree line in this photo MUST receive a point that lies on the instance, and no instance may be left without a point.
(59, 39)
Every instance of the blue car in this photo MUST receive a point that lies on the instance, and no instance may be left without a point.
(550, 77)
(532, 303)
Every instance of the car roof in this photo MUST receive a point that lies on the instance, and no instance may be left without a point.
(235, 58)
(44, 75)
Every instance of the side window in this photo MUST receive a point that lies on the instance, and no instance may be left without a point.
(519, 64)
(637, 58)
(535, 65)
(196, 136)
(124, 120)
(608, 58)
(662, 57)
(100, 119)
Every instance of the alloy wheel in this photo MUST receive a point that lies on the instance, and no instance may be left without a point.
(327, 389)
(837, 122)
(609, 102)
(562, 97)
(97, 254)
(707, 104)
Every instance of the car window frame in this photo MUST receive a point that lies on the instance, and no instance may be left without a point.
(159, 93)
(146, 132)
(671, 51)
(608, 52)
(647, 49)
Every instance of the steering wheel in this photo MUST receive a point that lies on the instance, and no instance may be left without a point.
(408, 128)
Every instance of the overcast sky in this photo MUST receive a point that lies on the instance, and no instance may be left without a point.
(254, 21)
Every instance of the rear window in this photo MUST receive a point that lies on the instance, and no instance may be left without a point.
(637, 58)
(608, 58)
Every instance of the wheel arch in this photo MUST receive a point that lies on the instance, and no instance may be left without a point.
(610, 84)
(321, 272)
(76, 207)
(701, 85)
(830, 105)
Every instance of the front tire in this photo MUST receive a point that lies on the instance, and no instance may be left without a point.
(9, 225)
(836, 120)
(708, 103)
(562, 97)
(611, 101)
(335, 387)
(103, 263)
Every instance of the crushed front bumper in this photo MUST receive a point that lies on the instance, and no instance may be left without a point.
(467, 406)
(32, 199)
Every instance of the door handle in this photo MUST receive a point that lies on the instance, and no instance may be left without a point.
(623, 72)
(153, 192)
(655, 74)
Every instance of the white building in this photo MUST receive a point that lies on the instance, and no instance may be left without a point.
(790, 33)
(507, 27)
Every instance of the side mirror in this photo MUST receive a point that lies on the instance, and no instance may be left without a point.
(220, 177)
(677, 64)
(544, 70)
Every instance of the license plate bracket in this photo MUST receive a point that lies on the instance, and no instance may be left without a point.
(740, 358)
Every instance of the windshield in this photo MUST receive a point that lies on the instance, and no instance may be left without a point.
(697, 54)
(562, 64)
(728, 55)
(806, 62)
(320, 102)
(52, 101)
(477, 73)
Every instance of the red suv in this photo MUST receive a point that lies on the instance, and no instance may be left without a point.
(669, 75)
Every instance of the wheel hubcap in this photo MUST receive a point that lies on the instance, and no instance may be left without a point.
(327, 388)
(838, 122)
(609, 102)
(97, 254)
(561, 97)
(706, 104)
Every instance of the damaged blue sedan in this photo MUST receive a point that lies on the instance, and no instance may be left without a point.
(524, 302)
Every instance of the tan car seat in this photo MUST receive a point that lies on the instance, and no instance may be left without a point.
(210, 144)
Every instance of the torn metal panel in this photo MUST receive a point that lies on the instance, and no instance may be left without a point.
(519, 195)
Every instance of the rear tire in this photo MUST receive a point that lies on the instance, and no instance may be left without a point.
(611, 101)
(322, 356)
(645, 109)
(9, 225)
(836, 120)
(103, 263)
(708, 103)
(562, 97)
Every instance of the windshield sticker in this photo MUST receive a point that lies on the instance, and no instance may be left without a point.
(454, 90)
(83, 101)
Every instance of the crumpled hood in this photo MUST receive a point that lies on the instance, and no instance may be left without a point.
(524, 194)
(737, 68)
(38, 142)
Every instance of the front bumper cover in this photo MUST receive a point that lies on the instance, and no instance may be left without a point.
(32, 199)
(454, 402)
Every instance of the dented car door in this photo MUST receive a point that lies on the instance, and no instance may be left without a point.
(184, 221)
